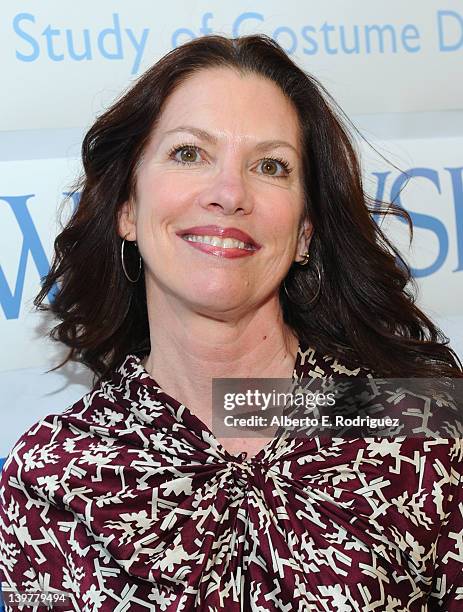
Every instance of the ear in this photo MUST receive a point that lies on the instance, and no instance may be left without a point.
(303, 243)
(126, 221)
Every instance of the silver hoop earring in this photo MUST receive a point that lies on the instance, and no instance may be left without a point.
(314, 297)
(131, 280)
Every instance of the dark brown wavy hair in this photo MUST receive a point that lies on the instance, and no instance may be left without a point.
(364, 311)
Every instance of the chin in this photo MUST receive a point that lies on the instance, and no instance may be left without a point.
(216, 302)
(210, 294)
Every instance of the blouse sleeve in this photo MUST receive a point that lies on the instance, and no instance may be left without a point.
(447, 588)
(27, 555)
(15, 564)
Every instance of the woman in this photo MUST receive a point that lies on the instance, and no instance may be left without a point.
(223, 232)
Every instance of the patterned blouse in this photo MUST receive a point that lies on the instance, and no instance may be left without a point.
(128, 502)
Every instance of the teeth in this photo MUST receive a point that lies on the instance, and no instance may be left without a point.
(225, 243)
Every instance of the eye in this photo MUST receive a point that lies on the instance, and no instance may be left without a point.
(185, 154)
(276, 167)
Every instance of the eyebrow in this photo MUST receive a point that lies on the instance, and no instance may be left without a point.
(208, 137)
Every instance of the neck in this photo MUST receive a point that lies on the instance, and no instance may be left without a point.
(188, 349)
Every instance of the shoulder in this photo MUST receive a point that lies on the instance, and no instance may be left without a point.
(47, 446)
(89, 433)
(38, 455)
(313, 363)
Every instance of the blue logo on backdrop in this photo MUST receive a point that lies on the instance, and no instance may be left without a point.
(112, 43)
(10, 300)
(426, 221)
(119, 42)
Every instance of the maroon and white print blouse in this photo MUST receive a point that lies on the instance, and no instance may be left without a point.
(128, 502)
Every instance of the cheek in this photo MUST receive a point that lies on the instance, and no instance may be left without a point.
(283, 221)
(161, 198)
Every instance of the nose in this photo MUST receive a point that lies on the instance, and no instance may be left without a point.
(227, 192)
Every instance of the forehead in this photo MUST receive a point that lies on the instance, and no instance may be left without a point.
(240, 106)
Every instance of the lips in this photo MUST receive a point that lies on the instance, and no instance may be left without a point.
(235, 244)
(221, 232)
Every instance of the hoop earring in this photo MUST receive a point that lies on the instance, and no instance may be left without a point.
(131, 280)
(314, 297)
(305, 260)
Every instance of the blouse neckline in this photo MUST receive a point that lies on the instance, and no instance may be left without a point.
(133, 369)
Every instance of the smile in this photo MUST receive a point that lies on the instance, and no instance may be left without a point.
(228, 242)
(225, 243)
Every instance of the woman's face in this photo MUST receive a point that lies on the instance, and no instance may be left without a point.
(219, 195)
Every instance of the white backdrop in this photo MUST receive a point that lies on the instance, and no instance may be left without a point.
(382, 56)
(396, 68)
